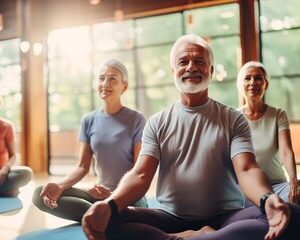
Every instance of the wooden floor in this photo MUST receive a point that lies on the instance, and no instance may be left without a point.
(29, 218)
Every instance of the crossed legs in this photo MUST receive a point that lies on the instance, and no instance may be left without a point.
(17, 177)
(154, 224)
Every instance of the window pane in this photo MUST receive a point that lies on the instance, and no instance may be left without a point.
(213, 21)
(281, 51)
(224, 92)
(70, 74)
(97, 102)
(9, 52)
(159, 29)
(10, 79)
(154, 66)
(113, 35)
(65, 111)
(274, 17)
(284, 93)
(69, 42)
(11, 109)
(129, 98)
(10, 86)
(226, 58)
(154, 99)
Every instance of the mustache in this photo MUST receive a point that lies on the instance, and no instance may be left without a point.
(191, 75)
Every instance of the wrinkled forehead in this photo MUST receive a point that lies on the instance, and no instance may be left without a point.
(192, 50)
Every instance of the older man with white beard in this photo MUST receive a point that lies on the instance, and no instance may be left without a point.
(205, 157)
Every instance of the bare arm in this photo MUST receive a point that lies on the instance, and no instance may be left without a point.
(82, 168)
(288, 159)
(254, 183)
(132, 187)
(136, 151)
(136, 182)
(52, 191)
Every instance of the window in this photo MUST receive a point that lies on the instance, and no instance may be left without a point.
(69, 91)
(10, 84)
(70, 71)
(144, 49)
(280, 53)
(220, 26)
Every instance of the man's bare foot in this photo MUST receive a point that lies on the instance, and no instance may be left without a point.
(206, 229)
(190, 233)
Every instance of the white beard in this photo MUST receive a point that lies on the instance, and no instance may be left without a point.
(191, 87)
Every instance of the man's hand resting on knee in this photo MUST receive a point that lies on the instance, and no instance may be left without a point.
(278, 214)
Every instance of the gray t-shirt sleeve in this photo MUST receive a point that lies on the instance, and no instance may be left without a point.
(150, 145)
(138, 128)
(282, 120)
(240, 136)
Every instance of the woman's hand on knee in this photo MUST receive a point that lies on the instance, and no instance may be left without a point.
(99, 192)
(50, 193)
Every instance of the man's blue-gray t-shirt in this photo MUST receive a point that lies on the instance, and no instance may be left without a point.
(112, 139)
(195, 147)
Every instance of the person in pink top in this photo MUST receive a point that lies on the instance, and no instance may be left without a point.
(11, 178)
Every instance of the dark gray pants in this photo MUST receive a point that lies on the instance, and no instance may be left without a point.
(72, 204)
(155, 224)
(17, 177)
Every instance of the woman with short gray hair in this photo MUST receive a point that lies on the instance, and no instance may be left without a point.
(112, 136)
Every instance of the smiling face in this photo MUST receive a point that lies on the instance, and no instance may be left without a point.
(111, 84)
(254, 83)
(192, 70)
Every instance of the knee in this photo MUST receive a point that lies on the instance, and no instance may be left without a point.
(27, 174)
(24, 174)
(36, 198)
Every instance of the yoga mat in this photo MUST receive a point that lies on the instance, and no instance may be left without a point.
(70, 232)
(9, 204)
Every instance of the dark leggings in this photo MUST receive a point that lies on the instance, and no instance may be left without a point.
(154, 224)
(17, 177)
(72, 204)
